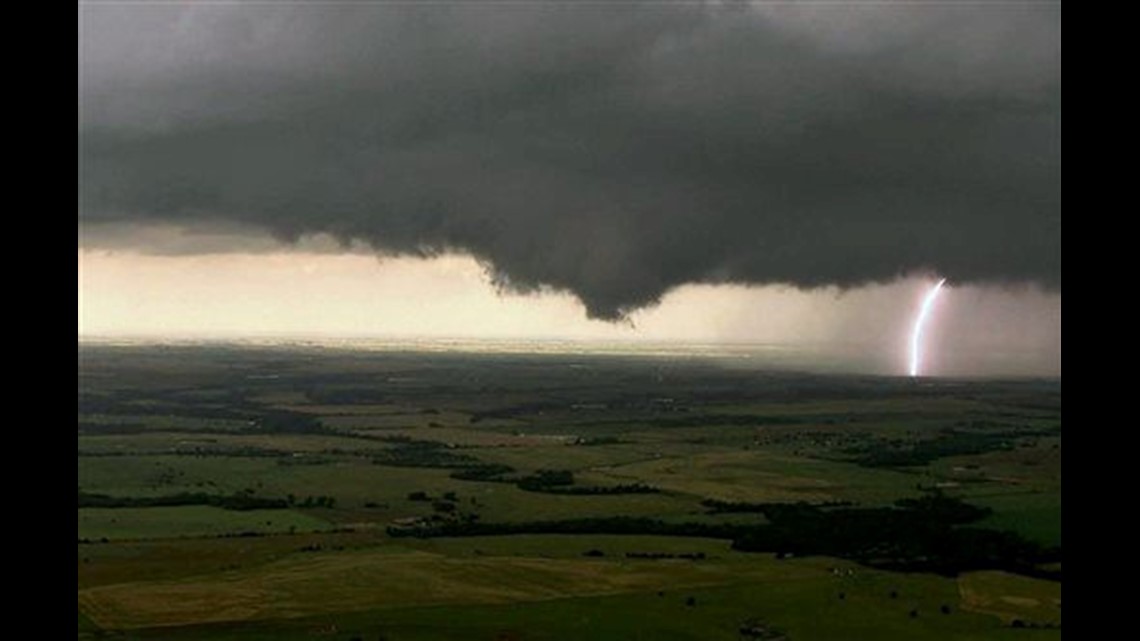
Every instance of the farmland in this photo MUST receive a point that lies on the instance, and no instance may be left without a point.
(250, 492)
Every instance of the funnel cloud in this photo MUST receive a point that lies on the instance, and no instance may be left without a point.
(616, 152)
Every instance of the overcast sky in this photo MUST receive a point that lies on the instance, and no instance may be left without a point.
(677, 170)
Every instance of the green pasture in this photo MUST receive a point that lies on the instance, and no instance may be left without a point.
(168, 422)
(132, 560)
(159, 443)
(1036, 516)
(757, 475)
(419, 595)
(334, 573)
(188, 520)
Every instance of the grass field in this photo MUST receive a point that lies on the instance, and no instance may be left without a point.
(158, 443)
(416, 595)
(393, 578)
(303, 424)
(188, 520)
(1011, 597)
(762, 476)
(1036, 516)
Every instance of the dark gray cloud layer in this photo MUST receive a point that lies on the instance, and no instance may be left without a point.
(615, 151)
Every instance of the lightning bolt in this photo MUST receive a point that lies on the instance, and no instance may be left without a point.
(916, 334)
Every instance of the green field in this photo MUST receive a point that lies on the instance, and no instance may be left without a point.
(405, 587)
(189, 521)
(1036, 516)
(357, 450)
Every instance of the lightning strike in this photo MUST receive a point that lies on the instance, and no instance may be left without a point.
(916, 334)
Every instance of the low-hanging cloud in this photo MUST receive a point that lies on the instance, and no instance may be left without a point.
(614, 151)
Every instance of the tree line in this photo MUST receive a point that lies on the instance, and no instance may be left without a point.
(929, 534)
(238, 501)
(546, 481)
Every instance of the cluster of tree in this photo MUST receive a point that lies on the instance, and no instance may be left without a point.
(312, 501)
(713, 419)
(912, 453)
(730, 420)
(445, 507)
(544, 480)
(927, 534)
(239, 501)
(198, 451)
(420, 495)
(598, 490)
(692, 556)
(232, 405)
(245, 451)
(949, 442)
(597, 440)
(421, 457)
(515, 411)
(716, 506)
(594, 525)
(488, 472)
(286, 422)
(307, 459)
(415, 453)
(325, 395)
(164, 403)
(547, 481)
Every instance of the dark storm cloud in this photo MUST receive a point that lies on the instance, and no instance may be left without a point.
(615, 151)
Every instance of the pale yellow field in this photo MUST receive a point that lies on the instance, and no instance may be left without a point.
(1009, 597)
(756, 476)
(359, 580)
